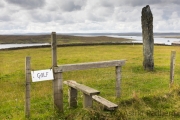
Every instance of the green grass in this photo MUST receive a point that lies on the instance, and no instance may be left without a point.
(145, 95)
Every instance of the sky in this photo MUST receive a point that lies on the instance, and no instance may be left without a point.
(87, 16)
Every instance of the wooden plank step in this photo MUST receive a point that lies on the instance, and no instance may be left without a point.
(85, 89)
(107, 104)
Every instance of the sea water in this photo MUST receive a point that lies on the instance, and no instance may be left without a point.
(5, 46)
(157, 39)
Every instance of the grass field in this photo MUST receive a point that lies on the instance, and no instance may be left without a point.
(145, 95)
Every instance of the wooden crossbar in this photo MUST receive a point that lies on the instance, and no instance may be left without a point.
(90, 65)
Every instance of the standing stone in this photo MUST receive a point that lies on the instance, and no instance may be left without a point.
(148, 39)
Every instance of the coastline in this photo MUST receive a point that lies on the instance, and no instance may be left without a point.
(80, 40)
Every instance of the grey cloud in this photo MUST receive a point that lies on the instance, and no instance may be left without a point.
(173, 1)
(67, 21)
(96, 18)
(10, 26)
(40, 16)
(166, 11)
(100, 15)
(142, 2)
(147, 2)
(28, 4)
(70, 5)
(120, 15)
(108, 4)
(99, 11)
(5, 18)
(70, 18)
(166, 14)
(1, 4)
(45, 16)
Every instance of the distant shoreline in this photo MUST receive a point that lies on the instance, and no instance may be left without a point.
(81, 44)
(97, 34)
(74, 40)
(61, 39)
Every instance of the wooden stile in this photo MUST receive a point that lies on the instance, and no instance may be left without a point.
(91, 65)
(58, 80)
(89, 95)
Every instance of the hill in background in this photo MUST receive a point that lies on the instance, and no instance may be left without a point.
(68, 38)
(61, 39)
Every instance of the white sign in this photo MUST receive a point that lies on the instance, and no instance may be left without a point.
(42, 75)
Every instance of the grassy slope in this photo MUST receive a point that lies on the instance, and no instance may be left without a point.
(144, 94)
(61, 39)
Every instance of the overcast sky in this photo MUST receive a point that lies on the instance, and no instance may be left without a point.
(72, 16)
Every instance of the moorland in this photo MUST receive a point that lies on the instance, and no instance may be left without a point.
(61, 39)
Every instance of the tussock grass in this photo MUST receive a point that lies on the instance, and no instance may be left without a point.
(145, 95)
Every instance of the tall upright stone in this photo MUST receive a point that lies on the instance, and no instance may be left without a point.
(148, 39)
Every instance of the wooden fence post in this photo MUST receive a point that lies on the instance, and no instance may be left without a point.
(172, 67)
(118, 80)
(58, 80)
(28, 85)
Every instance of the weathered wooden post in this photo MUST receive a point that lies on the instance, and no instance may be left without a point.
(58, 80)
(118, 80)
(88, 101)
(172, 67)
(28, 86)
(148, 39)
(72, 97)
